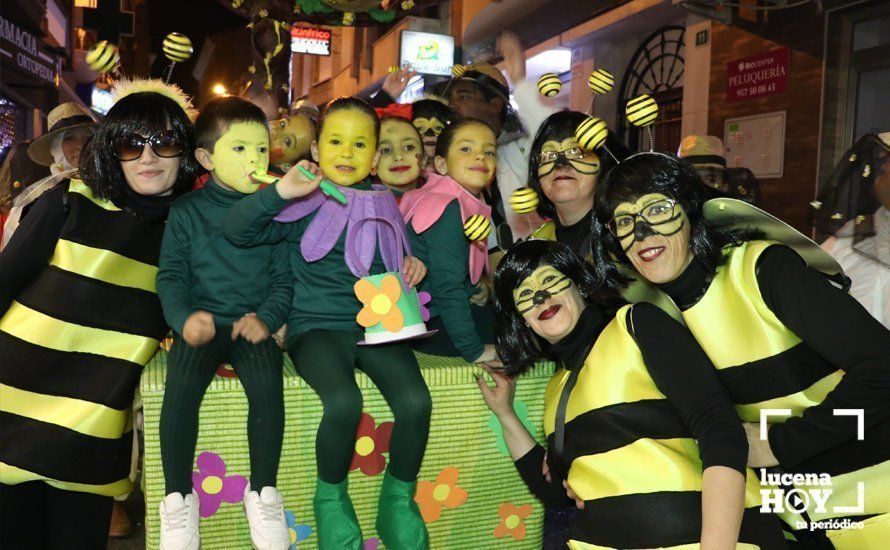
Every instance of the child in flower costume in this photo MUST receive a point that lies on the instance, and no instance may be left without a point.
(332, 245)
(466, 157)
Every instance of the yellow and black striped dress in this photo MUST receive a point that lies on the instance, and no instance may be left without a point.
(72, 348)
(765, 365)
(630, 457)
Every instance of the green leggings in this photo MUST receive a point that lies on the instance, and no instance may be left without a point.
(189, 371)
(327, 360)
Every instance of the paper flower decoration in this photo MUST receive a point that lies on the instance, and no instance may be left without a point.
(522, 412)
(512, 520)
(297, 532)
(432, 496)
(370, 444)
(380, 303)
(371, 544)
(213, 486)
(424, 298)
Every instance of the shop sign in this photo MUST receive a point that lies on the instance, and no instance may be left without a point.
(310, 41)
(427, 53)
(760, 75)
(19, 48)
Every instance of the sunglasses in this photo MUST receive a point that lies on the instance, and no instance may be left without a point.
(163, 144)
(575, 153)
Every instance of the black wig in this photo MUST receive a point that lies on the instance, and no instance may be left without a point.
(144, 113)
(558, 127)
(518, 345)
(642, 174)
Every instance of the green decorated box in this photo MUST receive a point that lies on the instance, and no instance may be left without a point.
(468, 491)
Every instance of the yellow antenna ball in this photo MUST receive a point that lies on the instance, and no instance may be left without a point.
(393, 69)
(477, 227)
(549, 84)
(458, 70)
(601, 81)
(592, 133)
(103, 57)
(642, 110)
(524, 200)
(177, 47)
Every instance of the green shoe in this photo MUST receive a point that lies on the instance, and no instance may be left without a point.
(335, 520)
(399, 523)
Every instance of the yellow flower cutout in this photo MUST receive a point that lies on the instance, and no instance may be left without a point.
(380, 303)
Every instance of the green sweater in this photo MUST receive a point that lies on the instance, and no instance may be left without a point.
(446, 252)
(323, 296)
(201, 270)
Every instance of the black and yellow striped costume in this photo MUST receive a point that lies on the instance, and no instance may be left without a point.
(628, 454)
(73, 344)
(765, 365)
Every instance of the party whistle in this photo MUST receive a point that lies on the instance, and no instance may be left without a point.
(327, 187)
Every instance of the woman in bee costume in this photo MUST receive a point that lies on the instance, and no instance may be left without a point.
(79, 317)
(780, 334)
(637, 423)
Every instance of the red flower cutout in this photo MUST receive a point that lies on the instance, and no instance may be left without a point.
(370, 444)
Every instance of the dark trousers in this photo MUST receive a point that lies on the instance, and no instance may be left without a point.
(189, 371)
(36, 516)
(327, 359)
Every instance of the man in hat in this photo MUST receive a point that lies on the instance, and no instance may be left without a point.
(70, 128)
(706, 154)
(482, 92)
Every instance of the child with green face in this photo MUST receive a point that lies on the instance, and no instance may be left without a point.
(223, 302)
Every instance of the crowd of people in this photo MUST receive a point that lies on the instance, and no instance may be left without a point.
(671, 333)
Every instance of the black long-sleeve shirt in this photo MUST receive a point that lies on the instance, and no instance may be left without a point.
(33, 243)
(836, 327)
(680, 370)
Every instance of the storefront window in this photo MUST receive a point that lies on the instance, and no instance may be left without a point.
(872, 33)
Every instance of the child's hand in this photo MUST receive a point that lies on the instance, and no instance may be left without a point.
(482, 295)
(251, 328)
(294, 184)
(199, 329)
(489, 355)
(579, 504)
(413, 270)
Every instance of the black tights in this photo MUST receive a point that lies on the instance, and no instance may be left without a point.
(327, 360)
(189, 372)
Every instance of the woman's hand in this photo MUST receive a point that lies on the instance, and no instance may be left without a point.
(294, 184)
(413, 270)
(198, 329)
(251, 328)
(489, 356)
(579, 504)
(396, 82)
(760, 455)
(499, 398)
(510, 48)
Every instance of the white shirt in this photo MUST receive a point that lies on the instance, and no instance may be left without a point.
(513, 156)
(871, 279)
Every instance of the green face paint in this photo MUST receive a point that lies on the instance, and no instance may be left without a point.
(239, 152)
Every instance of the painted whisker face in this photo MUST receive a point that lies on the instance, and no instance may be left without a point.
(653, 232)
(549, 302)
(566, 171)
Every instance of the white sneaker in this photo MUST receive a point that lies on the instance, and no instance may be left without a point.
(179, 522)
(265, 514)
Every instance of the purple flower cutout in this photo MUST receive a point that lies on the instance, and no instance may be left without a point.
(213, 486)
(297, 532)
(371, 544)
(424, 298)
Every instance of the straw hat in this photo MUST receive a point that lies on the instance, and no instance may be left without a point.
(66, 116)
(703, 151)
